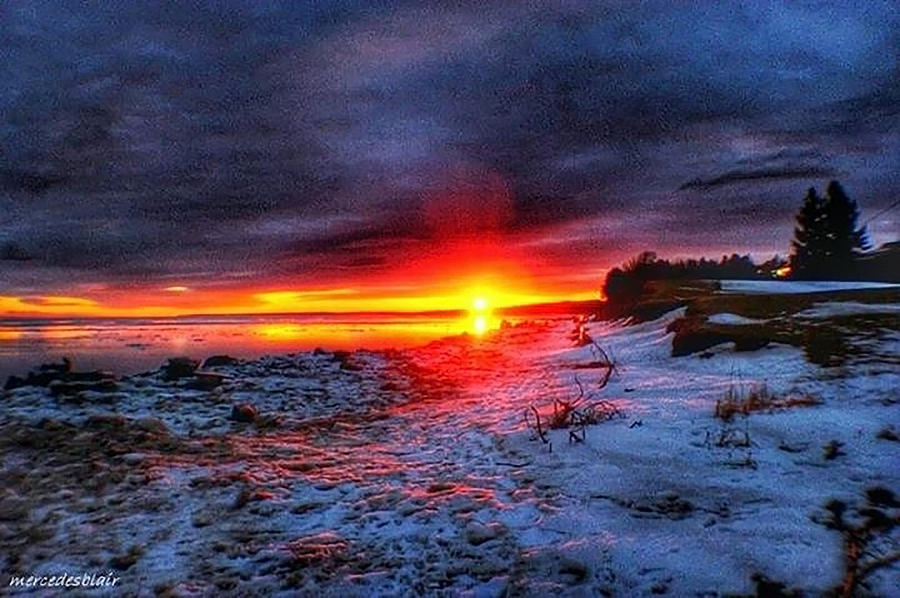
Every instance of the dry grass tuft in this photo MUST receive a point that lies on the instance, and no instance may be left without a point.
(756, 398)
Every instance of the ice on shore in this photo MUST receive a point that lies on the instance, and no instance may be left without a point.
(849, 308)
(732, 319)
(800, 286)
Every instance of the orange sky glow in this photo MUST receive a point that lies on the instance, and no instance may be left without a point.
(467, 252)
(453, 280)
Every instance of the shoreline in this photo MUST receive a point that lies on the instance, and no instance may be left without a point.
(136, 349)
(414, 472)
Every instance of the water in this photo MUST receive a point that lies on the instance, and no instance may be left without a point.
(130, 345)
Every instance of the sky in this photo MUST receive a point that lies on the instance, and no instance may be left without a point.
(163, 157)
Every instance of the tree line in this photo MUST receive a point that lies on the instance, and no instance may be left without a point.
(828, 244)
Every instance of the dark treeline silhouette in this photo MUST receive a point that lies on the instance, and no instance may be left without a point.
(626, 284)
(828, 244)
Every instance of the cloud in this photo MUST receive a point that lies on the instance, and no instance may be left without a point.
(164, 140)
(741, 176)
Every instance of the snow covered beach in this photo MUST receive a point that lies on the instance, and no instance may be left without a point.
(415, 473)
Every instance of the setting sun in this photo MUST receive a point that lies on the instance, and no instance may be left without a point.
(480, 304)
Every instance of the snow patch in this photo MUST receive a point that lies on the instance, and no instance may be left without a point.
(732, 319)
(848, 308)
(799, 286)
(413, 473)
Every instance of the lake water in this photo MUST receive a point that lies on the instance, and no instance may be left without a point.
(130, 345)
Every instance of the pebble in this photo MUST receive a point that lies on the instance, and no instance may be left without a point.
(479, 533)
(133, 458)
(244, 412)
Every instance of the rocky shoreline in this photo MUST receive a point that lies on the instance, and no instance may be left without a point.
(414, 473)
(200, 479)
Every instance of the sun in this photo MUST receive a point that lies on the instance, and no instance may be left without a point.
(480, 304)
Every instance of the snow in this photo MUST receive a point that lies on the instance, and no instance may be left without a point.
(799, 286)
(848, 308)
(732, 319)
(414, 473)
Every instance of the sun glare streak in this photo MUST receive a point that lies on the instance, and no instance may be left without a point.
(480, 320)
(280, 332)
(480, 325)
(481, 294)
(10, 335)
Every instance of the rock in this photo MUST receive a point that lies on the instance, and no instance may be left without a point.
(479, 533)
(244, 412)
(33, 379)
(345, 360)
(63, 367)
(498, 587)
(832, 450)
(569, 566)
(14, 382)
(659, 587)
(115, 421)
(52, 425)
(302, 508)
(440, 487)
(154, 425)
(51, 374)
(242, 498)
(45, 374)
(92, 376)
(58, 388)
(220, 360)
(268, 421)
(887, 434)
(125, 561)
(179, 367)
(8, 532)
(207, 380)
(133, 458)
(202, 519)
(14, 508)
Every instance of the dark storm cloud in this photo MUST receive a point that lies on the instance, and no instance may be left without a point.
(736, 176)
(227, 140)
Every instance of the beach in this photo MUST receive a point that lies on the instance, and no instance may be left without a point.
(419, 471)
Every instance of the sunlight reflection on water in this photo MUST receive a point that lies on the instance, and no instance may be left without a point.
(130, 346)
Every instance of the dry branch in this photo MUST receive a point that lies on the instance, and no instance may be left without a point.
(578, 413)
(865, 538)
(536, 426)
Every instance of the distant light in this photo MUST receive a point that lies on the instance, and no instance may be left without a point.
(480, 304)
(783, 272)
(176, 289)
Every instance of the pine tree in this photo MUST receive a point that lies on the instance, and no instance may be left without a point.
(843, 240)
(806, 248)
(826, 238)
